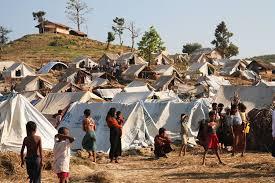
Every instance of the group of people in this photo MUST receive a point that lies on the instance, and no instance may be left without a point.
(63, 141)
(219, 131)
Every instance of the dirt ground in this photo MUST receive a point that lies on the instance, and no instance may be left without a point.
(142, 167)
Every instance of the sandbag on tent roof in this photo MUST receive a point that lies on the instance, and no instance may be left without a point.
(134, 128)
(132, 97)
(59, 101)
(251, 96)
(14, 114)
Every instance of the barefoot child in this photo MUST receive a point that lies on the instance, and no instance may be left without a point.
(61, 152)
(213, 141)
(33, 157)
(89, 140)
(184, 133)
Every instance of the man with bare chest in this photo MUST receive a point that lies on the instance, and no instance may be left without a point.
(89, 140)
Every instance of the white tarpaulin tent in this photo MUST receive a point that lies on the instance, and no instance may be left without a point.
(108, 93)
(251, 96)
(132, 97)
(134, 128)
(49, 66)
(142, 121)
(59, 101)
(18, 70)
(137, 86)
(14, 115)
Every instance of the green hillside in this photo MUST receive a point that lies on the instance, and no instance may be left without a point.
(268, 58)
(37, 49)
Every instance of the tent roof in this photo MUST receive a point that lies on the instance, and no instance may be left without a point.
(46, 68)
(13, 124)
(99, 82)
(251, 96)
(81, 58)
(164, 80)
(61, 85)
(134, 70)
(56, 101)
(132, 97)
(29, 79)
(111, 56)
(108, 93)
(160, 69)
(136, 83)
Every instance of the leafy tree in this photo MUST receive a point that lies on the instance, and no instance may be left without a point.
(118, 28)
(134, 33)
(110, 38)
(39, 16)
(191, 47)
(222, 41)
(3, 37)
(76, 11)
(150, 43)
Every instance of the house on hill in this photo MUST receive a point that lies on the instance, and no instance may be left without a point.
(52, 27)
(77, 33)
(262, 68)
(167, 83)
(33, 83)
(83, 62)
(108, 59)
(18, 70)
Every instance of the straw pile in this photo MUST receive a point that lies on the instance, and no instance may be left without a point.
(102, 177)
(260, 136)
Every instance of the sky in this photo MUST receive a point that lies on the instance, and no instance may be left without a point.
(177, 21)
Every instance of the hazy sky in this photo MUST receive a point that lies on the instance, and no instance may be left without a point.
(177, 21)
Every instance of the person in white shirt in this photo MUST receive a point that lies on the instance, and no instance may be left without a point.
(61, 152)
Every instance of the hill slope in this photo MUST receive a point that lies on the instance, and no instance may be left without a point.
(37, 49)
(268, 58)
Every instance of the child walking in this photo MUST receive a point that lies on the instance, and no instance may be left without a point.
(184, 133)
(213, 141)
(33, 157)
(61, 152)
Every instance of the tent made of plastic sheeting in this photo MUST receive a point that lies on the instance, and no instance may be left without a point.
(33, 96)
(135, 129)
(142, 121)
(132, 97)
(59, 101)
(18, 70)
(265, 83)
(99, 82)
(54, 65)
(167, 115)
(108, 93)
(137, 86)
(15, 113)
(251, 96)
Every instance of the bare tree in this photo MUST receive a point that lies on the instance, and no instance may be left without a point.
(135, 32)
(39, 16)
(76, 11)
(118, 28)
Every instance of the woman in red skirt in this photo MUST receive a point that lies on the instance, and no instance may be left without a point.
(213, 141)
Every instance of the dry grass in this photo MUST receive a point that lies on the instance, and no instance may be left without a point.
(254, 167)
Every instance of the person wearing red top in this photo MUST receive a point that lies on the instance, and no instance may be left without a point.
(115, 131)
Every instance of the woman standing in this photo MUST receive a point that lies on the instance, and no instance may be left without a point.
(121, 121)
(115, 131)
(237, 129)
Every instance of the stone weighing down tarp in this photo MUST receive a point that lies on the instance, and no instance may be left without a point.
(251, 96)
(15, 112)
(142, 121)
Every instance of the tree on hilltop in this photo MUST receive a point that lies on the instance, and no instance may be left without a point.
(191, 47)
(39, 16)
